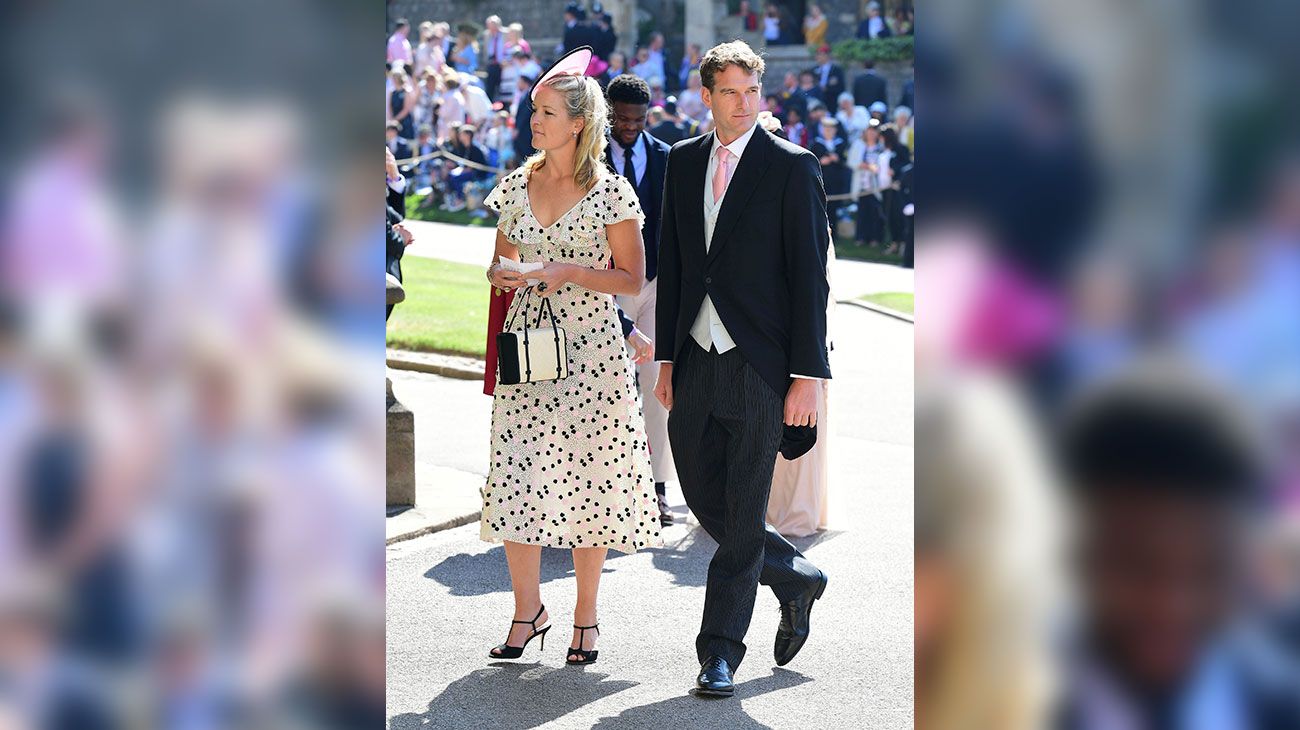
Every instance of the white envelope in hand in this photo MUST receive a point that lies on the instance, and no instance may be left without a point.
(521, 268)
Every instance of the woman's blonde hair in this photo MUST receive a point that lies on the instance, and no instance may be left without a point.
(582, 99)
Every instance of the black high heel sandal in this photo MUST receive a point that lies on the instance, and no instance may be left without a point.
(506, 651)
(584, 656)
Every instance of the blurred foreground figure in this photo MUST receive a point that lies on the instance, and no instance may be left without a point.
(987, 571)
(1165, 473)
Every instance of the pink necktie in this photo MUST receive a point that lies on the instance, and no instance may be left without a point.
(722, 174)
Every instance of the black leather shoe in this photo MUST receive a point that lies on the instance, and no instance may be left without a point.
(715, 678)
(793, 630)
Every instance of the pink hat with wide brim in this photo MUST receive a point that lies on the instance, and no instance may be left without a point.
(573, 63)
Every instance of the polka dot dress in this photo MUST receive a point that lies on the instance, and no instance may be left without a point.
(570, 466)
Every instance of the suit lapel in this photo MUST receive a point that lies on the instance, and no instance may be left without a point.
(691, 192)
(753, 163)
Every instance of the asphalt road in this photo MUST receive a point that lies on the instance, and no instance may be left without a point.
(449, 594)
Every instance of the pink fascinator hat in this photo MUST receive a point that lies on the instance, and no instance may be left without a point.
(573, 63)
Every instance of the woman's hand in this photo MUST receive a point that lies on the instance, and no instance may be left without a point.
(551, 277)
(642, 348)
(504, 279)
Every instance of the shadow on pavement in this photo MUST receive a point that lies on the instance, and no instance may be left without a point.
(689, 711)
(484, 573)
(686, 555)
(511, 696)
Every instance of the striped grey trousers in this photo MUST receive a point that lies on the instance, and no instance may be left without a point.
(725, 428)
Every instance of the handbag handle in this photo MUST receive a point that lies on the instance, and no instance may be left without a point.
(544, 307)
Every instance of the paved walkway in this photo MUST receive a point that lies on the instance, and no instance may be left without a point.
(449, 594)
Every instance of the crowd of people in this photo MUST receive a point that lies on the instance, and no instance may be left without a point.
(779, 28)
(458, 113)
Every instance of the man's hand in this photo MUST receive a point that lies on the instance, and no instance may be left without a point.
(390, 164)
(801, 402)
(407, 237)
(664, 385)
(643, 350)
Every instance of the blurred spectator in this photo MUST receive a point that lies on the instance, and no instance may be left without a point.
(873, 26)
(399, 48)
(617, 67)
(575, 30)
(828, 76)
(901, 24)
(772, 30)
(428, 55)
(863, 159)
(817, 111)
(515, 39)
(814, 26)
(896, 156)
(748, 18)
(425, 144)
(522, 112)
(690, 63)
(643, 67)
(789, 87)
(443, 40)
(393, 138)
(495, 54)
(604, 37)
(877, 110)
(478, 107)
(426, 104)
(669, 129)
(853, 119)
(461, 175)
(907, 97)
(401, 104)
(795, 131)
(451, 107)
(809, 91)
(903, 123)
(772, 105)
(831, 152)
(690, 101)
(524, 65)
(657, 95)
(1164, 471)
(655, 57)
(869, 86)
(465, 56)
(499, 140)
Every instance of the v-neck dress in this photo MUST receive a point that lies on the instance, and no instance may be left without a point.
(569, 462)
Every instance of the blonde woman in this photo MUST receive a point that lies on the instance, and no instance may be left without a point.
(814, 27)
(570, 466)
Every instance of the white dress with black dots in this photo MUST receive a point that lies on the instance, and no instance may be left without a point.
(570, 466)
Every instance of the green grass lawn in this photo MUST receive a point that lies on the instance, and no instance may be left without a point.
(845, 248)
(445, 310)
(895, 300)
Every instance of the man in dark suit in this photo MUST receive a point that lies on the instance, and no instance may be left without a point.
(869, 86)
(400, 148)
(741, 345)
(828, 76)
(1164, 473)
(907, 97)
(523, 120)
(670, 130)
(636, 155)
(575, 28)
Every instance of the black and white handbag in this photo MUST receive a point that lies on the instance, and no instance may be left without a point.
(532, 354)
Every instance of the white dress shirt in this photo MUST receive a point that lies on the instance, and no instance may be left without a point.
(639, 157)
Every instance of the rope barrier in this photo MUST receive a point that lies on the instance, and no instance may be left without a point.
(838, 197)
(460, 160)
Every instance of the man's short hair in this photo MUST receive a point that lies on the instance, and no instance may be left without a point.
(394, 127)
(735, 53)
(1161, 429)
(402, 23)
(628, 89)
